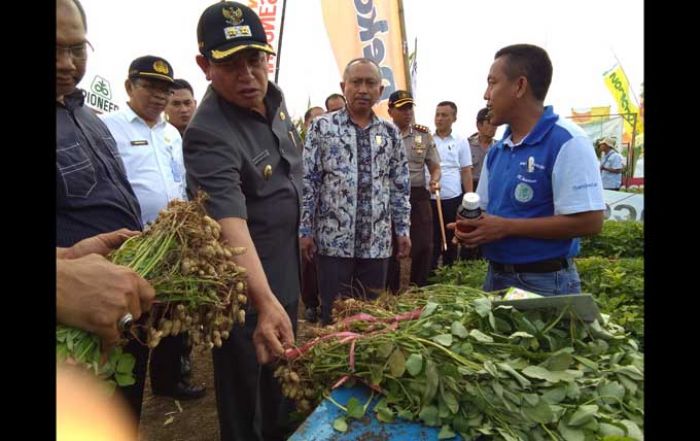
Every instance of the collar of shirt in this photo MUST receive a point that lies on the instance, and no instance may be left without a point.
(73, 100)
(272, 100)
(450, 136)
(131, 116)
(543, 126)
(344, 116)
(408, 132)
(474, 141)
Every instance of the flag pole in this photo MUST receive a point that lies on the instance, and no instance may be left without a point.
(279, 46)
(404, 48)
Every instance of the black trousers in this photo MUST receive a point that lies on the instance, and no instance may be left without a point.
(166, 363)
(449, 213)
(349, 277)
(309, 284)
(421, 242)
(249, 399)
(134, 394)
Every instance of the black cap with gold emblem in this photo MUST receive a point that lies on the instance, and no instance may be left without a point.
(400, 98)
(228, 27)
(152, 67)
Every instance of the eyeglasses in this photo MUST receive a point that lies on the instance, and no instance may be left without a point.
(77, 51)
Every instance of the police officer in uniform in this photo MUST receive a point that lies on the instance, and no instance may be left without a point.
(421, 152)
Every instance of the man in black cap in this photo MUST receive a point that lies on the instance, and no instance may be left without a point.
(242, 148)
(420, 152)
(151, 149)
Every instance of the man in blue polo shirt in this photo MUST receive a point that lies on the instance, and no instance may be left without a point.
(546, 189)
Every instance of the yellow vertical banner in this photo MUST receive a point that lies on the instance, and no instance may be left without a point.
(370, 29)
(618, 85)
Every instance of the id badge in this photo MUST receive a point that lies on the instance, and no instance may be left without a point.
(176, 170)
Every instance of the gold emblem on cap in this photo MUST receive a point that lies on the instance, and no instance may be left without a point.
(232, 16)
(282, 116)
(267, 171)
(160, 67)
(378, 139)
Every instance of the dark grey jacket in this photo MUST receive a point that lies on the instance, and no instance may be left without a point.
(251, 168)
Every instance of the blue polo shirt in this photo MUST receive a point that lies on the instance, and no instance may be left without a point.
(552, 171)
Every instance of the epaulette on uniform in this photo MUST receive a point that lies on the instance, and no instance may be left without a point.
(421, 128)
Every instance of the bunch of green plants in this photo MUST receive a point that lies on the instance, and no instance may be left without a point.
(617, 239)
(199, 290)
(618, 287)
(463, 272)
(616, 284)
(445, 356)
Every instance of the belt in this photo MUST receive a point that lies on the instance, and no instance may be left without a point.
(543, 266)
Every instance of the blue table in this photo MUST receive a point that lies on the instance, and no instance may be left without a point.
(319, 425)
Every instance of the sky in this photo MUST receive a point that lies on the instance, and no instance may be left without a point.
(457, 40)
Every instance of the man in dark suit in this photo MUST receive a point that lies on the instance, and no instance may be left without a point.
(242, 149)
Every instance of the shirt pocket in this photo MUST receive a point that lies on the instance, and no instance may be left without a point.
(76, 170)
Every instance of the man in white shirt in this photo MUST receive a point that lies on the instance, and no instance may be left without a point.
(610, 164)
(456, 178)
(151, 149)
(181, 105)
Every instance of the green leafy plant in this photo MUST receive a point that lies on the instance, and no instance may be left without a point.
(199, 289)
(618, 287)
(443, 355)
(618, 239)
(616, 284)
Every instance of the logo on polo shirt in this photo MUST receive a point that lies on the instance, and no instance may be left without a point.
(523, 192)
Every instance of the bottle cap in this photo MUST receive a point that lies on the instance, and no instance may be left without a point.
(471, 201)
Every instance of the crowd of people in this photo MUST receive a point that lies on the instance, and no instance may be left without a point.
(326, 216)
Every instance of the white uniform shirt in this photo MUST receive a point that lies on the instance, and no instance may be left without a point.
(152, 157)
(455, 154)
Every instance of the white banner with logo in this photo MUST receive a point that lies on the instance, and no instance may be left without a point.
(620, 205)
(124, 30)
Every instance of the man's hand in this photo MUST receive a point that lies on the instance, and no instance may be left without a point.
(404, 244)
(93, 294)
(486, 229)
(273, 332)
(434, 186)
(308, 248)
(100, 244)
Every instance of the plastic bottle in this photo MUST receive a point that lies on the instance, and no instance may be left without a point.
(470, 209)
